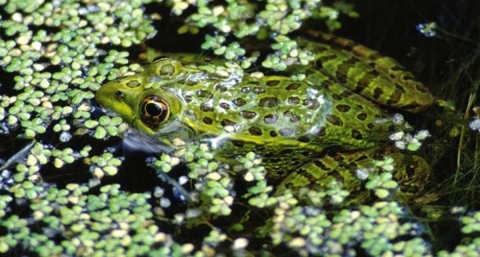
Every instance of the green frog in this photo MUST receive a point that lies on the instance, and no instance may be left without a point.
(308, 132)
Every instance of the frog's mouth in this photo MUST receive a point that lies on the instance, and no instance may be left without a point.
(138, 124)
(133, 120)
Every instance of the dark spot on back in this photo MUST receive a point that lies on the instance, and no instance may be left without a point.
(311, 103)
(320, 165)
(321, 131)
(188, 98)
(207, 120)
(342, 108)
(248, 114)
(269, 155)
(245, 89)
(304, 139)
(220, 88)
(356, 134)
(238, 143)
(259, 147)
(204, 94)
(397, 94)
(286, 132)
(258, 90)
(338, 158)
(295, 162)
(225, 106)
(188, 82)
(377, 92)
(370, 126)
(411, 106)
(306, 153)
(365, 81)
(270, 118)
(273, 133)
(334, 120)
(294, 118)
(336, 97)
(342, 71)
(206, 107)
(346, 93)
(269, 101)
(227, 122)
(273, 83)
(293, 86)
(293, 100)
(362, 116)
(239, 102)
(255, 131)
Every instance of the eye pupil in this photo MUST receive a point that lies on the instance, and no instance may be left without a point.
(153, 109)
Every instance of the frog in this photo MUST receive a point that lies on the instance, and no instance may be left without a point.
(308, 132)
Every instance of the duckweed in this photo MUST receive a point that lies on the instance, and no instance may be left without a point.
(59, 53)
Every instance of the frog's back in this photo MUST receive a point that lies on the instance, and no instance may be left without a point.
(277, 112)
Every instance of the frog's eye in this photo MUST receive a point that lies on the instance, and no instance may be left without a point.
(154, 111)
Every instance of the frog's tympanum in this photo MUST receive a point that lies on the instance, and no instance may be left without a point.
(307, 131)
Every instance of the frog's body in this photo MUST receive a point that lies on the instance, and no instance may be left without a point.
(306, 128)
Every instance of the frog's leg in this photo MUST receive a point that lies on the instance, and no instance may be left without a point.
(369, 73)
(331, 170)
(411, 173)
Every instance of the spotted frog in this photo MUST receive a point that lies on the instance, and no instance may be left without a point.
(308, 132)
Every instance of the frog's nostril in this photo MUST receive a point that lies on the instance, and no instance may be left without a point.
(120, 95)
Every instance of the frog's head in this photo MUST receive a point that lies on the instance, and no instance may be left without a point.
(139, 100)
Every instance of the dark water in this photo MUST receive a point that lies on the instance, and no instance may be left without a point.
(447, 63)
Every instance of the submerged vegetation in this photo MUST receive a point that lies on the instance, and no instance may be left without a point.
(68, 189)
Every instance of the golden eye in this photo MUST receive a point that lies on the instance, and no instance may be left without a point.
(154, 111)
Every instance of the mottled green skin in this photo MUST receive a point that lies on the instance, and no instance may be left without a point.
(306, 128)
